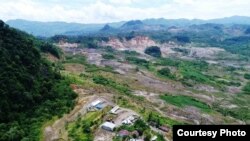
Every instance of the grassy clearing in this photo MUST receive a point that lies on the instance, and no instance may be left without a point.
(121, 88)
(78, 59)
(73, 77)
(182, 101)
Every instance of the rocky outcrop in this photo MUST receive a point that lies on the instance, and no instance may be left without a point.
(138, 43)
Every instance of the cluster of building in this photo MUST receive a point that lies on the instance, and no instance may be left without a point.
(96, 105)
(118, 116)
(130, 119)
(110, 125)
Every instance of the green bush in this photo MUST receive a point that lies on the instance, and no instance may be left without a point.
(108, 56)
(167, 62)
(130, 53)
(247, 76)
(153, 51)
(229, 83)
(166, 73)
(49, 48)
(138, 61)
(101, 80)
(246, 88)
(109, 49)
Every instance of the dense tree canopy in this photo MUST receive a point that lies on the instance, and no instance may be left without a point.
(31, 91)
(153, 51)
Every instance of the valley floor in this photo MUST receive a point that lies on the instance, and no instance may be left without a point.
(191, 93)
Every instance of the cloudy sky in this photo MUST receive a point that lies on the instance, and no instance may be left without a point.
(101, 11)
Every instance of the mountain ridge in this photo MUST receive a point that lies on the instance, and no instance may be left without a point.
(48, 29)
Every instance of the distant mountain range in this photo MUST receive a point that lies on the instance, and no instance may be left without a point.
(47, 29)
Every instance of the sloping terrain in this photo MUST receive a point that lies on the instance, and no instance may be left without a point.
(32, 92)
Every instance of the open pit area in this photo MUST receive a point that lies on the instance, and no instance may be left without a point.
(120, 86)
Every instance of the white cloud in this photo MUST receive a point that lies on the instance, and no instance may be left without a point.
(121, 2)
(117, 10)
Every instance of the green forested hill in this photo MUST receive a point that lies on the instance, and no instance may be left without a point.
(31, 92)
